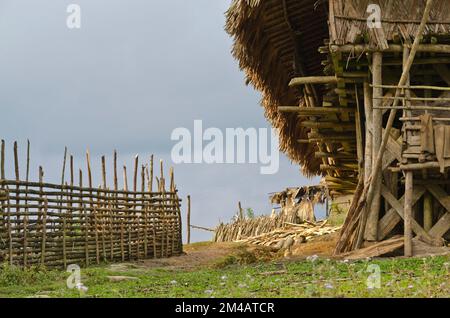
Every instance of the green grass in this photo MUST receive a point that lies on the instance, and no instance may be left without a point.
(321, 278)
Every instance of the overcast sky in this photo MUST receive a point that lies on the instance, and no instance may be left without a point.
(136, 70)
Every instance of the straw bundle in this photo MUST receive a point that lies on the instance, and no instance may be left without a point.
(292, 233)
(267, 52)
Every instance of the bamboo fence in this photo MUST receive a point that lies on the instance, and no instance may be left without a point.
(52, 225)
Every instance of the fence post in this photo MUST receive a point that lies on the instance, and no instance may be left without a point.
(189, 219)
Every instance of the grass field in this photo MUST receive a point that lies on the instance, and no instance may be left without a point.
(241, 274)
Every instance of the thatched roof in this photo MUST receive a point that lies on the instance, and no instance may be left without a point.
(400, 20)
(266, 36)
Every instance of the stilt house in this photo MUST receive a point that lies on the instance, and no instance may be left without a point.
(360, 93)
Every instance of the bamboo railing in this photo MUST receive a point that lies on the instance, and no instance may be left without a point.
(45, 224)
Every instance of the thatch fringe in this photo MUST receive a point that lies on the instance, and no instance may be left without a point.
(267, 60)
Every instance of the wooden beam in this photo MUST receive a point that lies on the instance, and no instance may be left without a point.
(389, 221)
(393, 48)
(297, 81)
(427, 212)
(336, 155)
(328, 125)
(441, 227)
(314, 110)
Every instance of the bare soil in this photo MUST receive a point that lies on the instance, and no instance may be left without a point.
(207, 254)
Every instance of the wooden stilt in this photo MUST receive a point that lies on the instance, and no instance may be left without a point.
(369, 144)
(377, 122)
(188, 219)
(408, 213)
(427, 212)
(104, 172)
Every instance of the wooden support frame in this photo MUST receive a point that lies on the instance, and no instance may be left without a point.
(377, 134)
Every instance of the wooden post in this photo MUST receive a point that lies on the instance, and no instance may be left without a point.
(85, 216)
(25, 218)
(427, 212)
(377, 122)
(16, 170)
(116, 186)
(88, 162)
(10, 239)
(408, 212)
(104, 172)
(2, 160)
(189, 219)
(44, 232)
(16, 162)
(64, 166)
(136, 164)
(172, 180)
(125, 178)
(241, 212)
(368, 157)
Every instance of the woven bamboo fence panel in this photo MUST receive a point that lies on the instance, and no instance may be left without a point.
(53, 225)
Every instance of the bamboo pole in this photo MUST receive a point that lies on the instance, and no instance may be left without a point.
(367, 197)
(377, 122)
(88, 163)
(84, 216)
(116, 185)
(189, 219)
(125, 178)
(25, 219)
(16, 172)
(10, 238)
(408, 213)
(427, 212)
(135, 172)
(44, 234)
(368, 156)
(241, 212)
(172, 180)
(104, 172)
(144, 210)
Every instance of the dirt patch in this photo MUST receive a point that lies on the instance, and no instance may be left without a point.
(320, 246)
(195, 255)
(217, 255)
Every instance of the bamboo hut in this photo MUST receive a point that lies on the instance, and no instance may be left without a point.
(360, 93)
